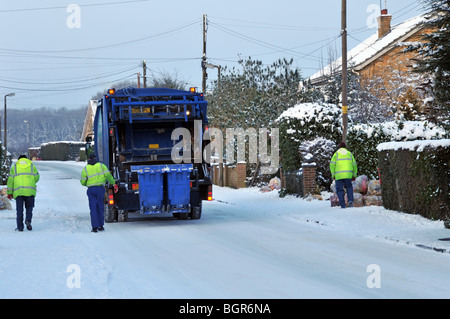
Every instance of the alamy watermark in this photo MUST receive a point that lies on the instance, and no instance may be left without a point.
(374, 11)
(74, 279)
(73, 20)
(374, 279)
(235, 143)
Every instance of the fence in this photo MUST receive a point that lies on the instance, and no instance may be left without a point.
(230, 175)
(301, 182)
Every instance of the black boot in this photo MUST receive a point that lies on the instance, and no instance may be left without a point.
(94, 230)
(28, 223)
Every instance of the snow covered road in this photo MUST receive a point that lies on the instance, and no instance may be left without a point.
(246, 245)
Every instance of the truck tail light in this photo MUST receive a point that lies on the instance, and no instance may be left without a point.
(134, 186)
(110, 197)
(210, 198)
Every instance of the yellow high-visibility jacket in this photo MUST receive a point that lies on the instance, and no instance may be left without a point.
(343, 165)
(96, 175)
(22, 179)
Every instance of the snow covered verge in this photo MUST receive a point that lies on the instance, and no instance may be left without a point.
(374, 222)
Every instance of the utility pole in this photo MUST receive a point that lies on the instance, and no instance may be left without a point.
(218, 67)
(344, 70)
(205, 75)
(138, 80)
(144, 75)
(5, 128)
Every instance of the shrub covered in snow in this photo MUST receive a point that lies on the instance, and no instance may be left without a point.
(305, 122)
(5, 165)
(363, 139)
(308, 121)
(319, 151)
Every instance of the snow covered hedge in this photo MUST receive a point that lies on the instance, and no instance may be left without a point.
(309, 121)
(61, 151)
(415, 177)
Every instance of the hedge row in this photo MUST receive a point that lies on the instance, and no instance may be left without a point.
(61, 151)
(415, 177)
(308, 121)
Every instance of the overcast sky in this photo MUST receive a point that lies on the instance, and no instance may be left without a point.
(58, 53)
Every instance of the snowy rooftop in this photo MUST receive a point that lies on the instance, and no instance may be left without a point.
(372, 46)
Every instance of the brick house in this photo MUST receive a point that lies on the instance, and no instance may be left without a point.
(379, 61)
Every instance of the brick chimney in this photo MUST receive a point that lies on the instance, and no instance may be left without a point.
(384, 23)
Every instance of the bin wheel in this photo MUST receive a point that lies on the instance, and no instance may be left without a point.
(122, 215)
(196, 211)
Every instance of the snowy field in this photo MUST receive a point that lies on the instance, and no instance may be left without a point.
(247, 244)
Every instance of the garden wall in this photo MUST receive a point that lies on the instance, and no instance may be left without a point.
(415, 177)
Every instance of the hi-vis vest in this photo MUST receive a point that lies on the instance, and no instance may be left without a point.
(343, 165)
(96, 175)
(22, 179)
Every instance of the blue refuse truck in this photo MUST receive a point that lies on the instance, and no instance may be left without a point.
(154, 142)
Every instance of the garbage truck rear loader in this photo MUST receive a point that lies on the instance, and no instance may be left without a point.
(153, 141)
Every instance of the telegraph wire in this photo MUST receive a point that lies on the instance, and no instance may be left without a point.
(64, 7)
(67, 89)
(68, 82)
(154, 36)
(261, 43)
(277, 26)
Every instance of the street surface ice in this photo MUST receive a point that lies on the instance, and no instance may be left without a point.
(247, 244)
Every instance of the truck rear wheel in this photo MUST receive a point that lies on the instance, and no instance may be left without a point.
(110, 213)
(196, 211)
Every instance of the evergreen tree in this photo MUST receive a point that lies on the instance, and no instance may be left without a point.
(435, 53)
(255, 94)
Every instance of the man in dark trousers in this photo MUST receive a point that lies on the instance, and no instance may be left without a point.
(343, 169)
(94, 175)
(21, 186)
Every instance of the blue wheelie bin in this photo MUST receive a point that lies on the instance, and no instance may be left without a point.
(151, 190)
(178, 188)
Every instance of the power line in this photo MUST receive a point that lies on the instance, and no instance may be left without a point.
(277, 26)
(261, 43)
(66, 81)
(66, 89)
(64, 7)
(161, 34)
